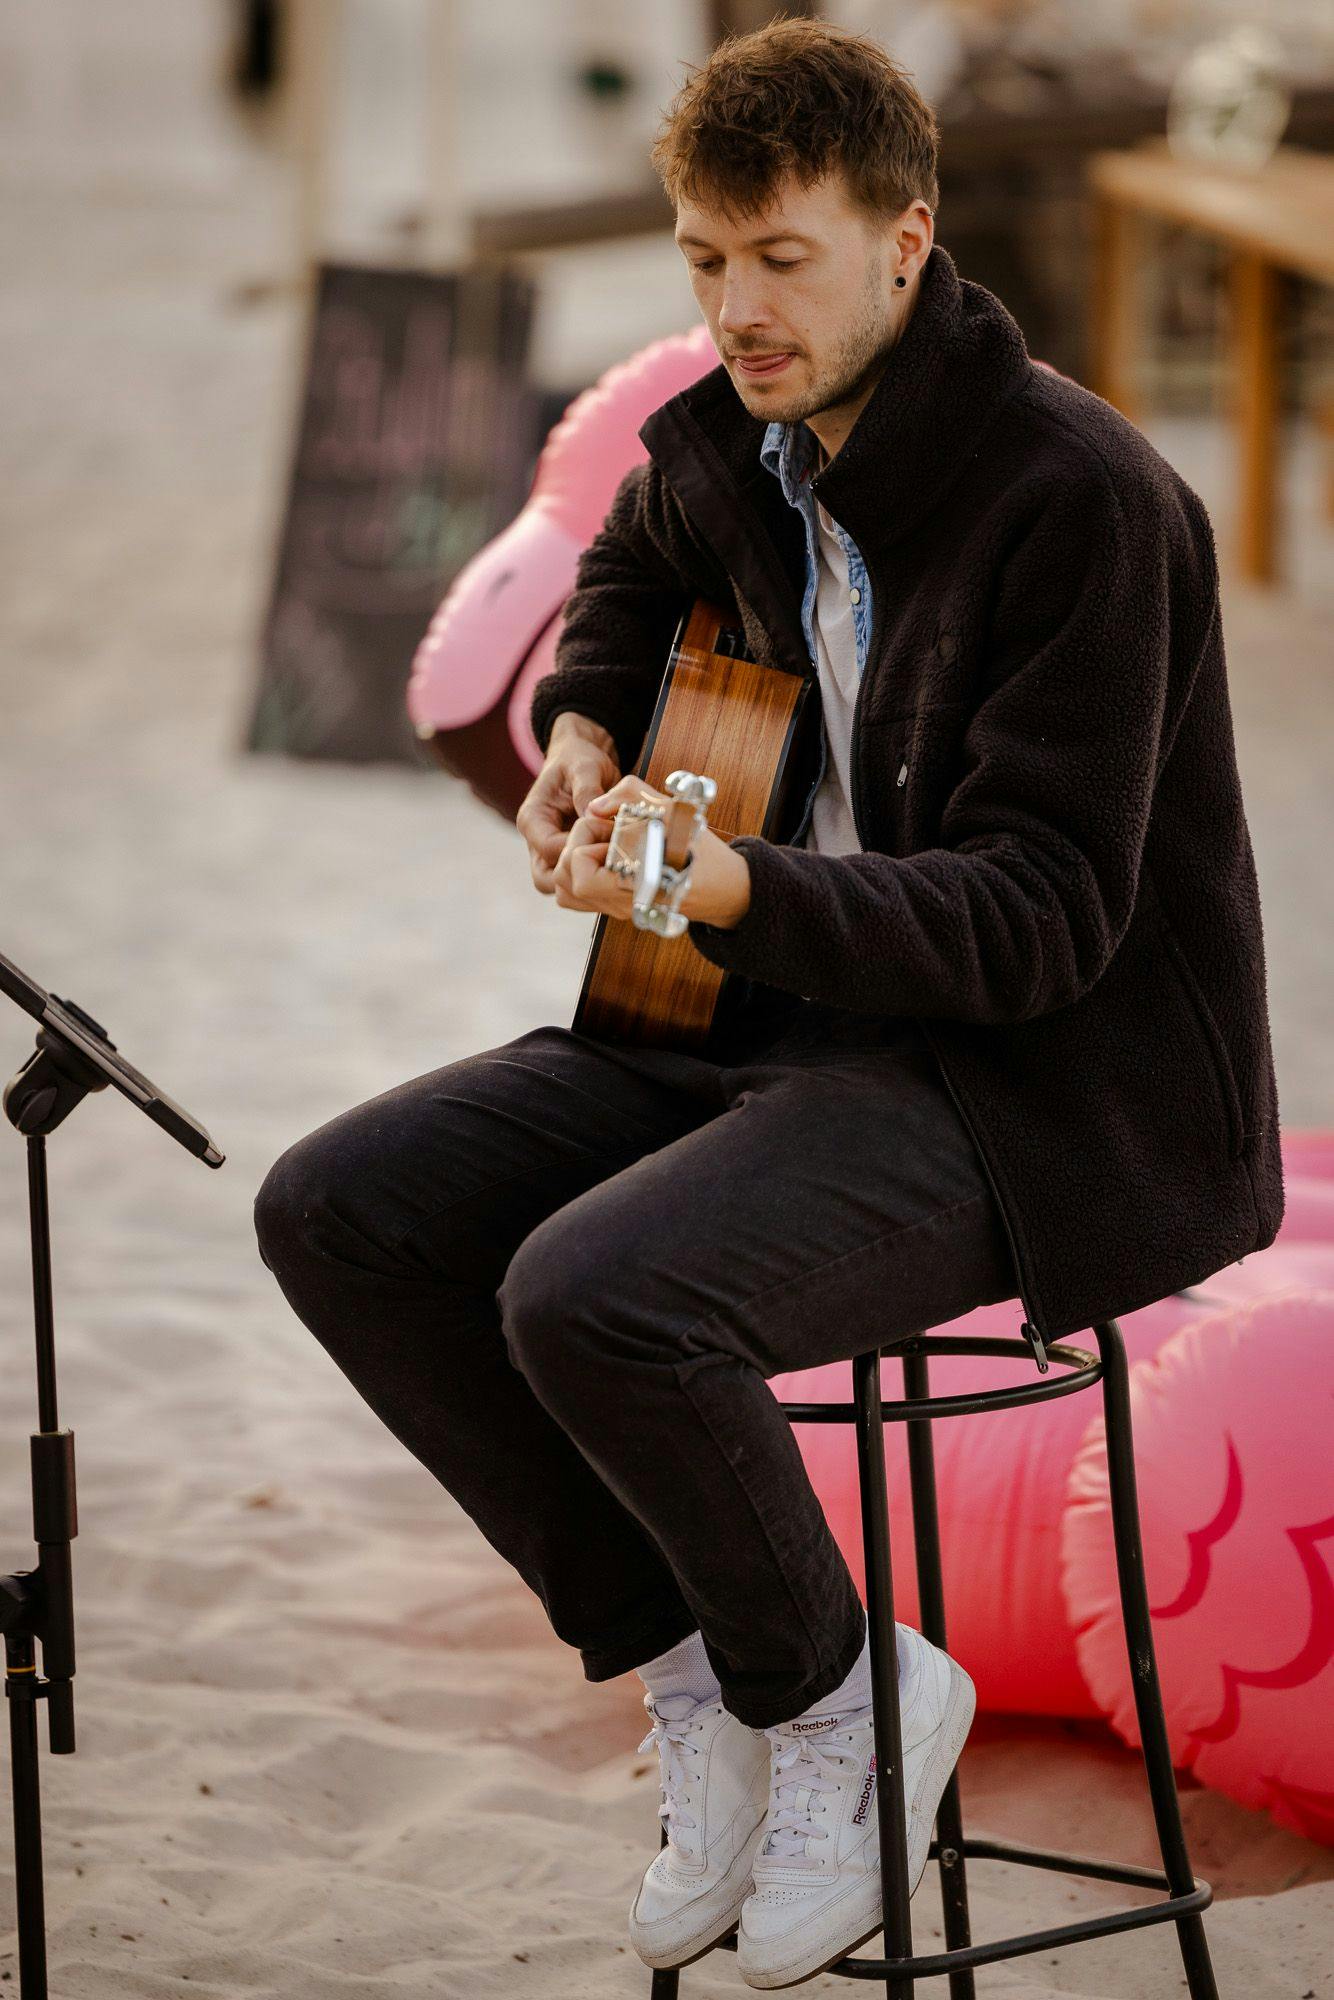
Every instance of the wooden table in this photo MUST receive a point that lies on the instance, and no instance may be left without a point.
(1277, 218)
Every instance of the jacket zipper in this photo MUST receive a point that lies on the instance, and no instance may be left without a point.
(1029, 1329)
(1030, 1326)
(853, 759)
(794, 839)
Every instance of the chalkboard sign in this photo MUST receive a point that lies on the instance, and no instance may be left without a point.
(415, 447)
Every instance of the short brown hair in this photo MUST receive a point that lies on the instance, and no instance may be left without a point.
(805, 97)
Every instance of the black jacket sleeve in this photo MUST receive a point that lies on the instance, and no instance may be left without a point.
(1100, 618)
(619, 622)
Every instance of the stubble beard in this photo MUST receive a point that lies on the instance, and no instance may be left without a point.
(856, 362)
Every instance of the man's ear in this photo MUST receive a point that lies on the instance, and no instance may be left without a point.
(914, 234)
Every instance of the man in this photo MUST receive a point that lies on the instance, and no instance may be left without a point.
(998, 1017)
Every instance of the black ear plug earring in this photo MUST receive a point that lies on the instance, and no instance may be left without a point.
(900, 281)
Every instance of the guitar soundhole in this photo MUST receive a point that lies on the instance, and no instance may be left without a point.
(731, 643)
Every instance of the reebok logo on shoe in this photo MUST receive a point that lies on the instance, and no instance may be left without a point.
(863, 1805)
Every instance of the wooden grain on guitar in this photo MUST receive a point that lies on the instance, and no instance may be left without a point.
(724, 714)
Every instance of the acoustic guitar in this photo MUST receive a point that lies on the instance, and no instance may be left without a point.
(722, 713)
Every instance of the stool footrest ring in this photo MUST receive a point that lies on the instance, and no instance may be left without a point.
(1079, 1370)
(928, 1965)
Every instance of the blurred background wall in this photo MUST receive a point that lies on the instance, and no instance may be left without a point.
(431, 114)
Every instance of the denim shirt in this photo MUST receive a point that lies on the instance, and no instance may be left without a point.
(788, 451)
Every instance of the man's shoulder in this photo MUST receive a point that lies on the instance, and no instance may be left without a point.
(1074, 447)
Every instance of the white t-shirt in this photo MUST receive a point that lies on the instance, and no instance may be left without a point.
(832, 829)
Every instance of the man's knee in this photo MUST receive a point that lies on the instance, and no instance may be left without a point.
(572, 1302)
(286, 1202)
(548, 1300)
(312, 1192)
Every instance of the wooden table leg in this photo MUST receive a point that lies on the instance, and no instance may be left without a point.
(1117, 307)
(1324, 423)
(1256, 393)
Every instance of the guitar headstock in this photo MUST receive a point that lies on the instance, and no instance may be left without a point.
(652, 844)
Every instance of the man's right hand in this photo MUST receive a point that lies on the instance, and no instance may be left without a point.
(580, 765)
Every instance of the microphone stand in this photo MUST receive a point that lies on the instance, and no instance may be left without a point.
(73, 1057)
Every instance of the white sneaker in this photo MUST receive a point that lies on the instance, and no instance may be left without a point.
(817, 1868)
(715, 1786)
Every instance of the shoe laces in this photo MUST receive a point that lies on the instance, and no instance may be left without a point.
(801, 1769)
(675, 1717)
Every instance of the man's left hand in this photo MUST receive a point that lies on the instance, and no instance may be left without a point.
(718, 891)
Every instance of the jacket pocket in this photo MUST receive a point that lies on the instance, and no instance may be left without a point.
(922, 771)
(900, 767)
(1219, 1060)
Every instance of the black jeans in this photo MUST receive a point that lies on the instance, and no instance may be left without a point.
(561, 1271)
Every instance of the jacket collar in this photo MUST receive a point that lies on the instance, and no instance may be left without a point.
(787, 450)
(960, 358)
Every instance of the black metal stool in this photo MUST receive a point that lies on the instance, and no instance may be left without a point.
(1184, 1898)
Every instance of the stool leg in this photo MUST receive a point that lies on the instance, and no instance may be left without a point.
(1143, 1663)
(890, 1814)
(931, 1598)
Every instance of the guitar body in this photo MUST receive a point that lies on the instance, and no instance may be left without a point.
(725, 714)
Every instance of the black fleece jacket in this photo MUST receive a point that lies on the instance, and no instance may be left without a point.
(1062, 890)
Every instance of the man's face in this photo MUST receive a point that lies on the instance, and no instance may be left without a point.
(800, 299)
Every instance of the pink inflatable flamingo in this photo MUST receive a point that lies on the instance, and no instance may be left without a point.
(495, 633)
(1232, 1428)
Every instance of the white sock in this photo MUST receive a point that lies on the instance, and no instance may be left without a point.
(683, 1669)
(854, 1692)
